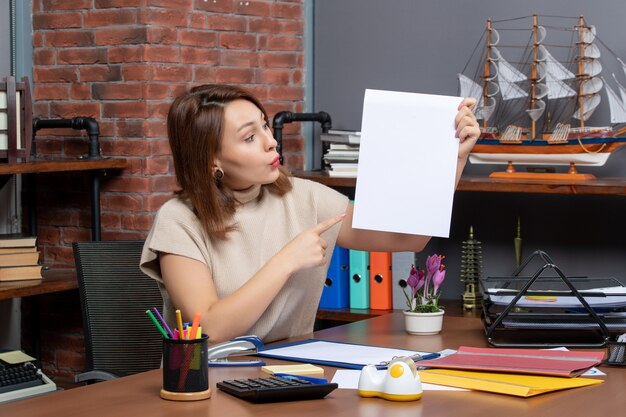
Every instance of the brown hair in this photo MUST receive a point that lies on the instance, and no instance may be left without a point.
(195, 125)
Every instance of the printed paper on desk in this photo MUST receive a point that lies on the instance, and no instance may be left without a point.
(407, 163)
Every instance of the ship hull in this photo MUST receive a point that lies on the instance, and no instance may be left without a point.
(593, 152)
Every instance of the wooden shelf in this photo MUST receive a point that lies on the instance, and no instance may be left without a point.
(38, 165)
(54, 280)
(600, 186)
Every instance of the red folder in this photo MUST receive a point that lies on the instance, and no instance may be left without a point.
(522, 361)
(380, 281)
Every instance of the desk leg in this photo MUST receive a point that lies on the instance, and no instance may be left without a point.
(31, 191)
(95, 206)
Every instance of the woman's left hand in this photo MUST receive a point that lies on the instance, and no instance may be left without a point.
(467, 129)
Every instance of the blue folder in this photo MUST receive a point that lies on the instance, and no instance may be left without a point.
(336, 293)
(359, 279)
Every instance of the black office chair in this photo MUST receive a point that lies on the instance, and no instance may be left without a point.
(120, 338)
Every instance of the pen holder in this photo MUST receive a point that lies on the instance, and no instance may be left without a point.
(185, 369)
(616, 354)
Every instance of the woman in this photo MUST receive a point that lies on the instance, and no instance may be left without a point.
(243, 243)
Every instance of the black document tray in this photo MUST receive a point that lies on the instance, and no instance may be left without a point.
(551, 310)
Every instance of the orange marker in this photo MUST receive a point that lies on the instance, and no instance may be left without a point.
(194, 325)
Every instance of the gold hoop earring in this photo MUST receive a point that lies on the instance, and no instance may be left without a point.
(218, 174)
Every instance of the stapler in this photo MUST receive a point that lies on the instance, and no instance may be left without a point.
(240, 346)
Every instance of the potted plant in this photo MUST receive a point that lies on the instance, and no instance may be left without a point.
(424, 315)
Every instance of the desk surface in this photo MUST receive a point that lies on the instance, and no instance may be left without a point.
(37, 165)
(139, 394)
(53, 280)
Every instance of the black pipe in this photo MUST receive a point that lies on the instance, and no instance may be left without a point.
(89, 124)
(283, 117)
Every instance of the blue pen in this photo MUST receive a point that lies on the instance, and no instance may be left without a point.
(167, 329)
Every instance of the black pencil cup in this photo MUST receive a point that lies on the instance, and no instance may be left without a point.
(616, 354)
(185, 369)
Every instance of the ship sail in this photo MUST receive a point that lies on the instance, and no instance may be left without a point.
(616, 106)
(590, 97)
(555, 73)
(469, 88)
(508, 75)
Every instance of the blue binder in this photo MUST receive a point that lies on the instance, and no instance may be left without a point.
(336, 293)
(359, 279)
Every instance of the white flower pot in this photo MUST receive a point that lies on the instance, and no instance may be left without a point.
(423, 323)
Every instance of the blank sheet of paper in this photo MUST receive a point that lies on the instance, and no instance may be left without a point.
(407, 163)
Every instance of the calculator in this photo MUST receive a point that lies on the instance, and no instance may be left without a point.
(280, 387)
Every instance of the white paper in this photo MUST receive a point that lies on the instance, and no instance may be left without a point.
(349, 379)
(407, 163)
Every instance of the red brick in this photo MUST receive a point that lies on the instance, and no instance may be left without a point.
(223, 6)
(154, 201)
(158, 110)
(37, 39)
(43, 56)
(124, 202)
(121, 36)
(82, 56)
(237, 41)
(197, 38)
(65, 4)
(52, 91)
(255, 8)
(198, 56)
(287, 93)
(133, 166)
(234, 75)
(81, 91)
(204, 74)
(115, 17)
(107, 129)
(105, 4)
(57, 20)
(172, 4)
(163, 17)
(124, 235)
(297, 77)
(295, 27)
(128, 184)
(293, 144)
(230, 58)
(279, 60)
(264, 24)
(110, 221)
(225, 22)
(74, 109)
(162, 35)
(170, 72)
(157, 166)
(125, 54)
(100, 73)
(75, 235)
(56, 217)
(273, 76)
(294, 161)
(130, 128)
(287, 11)
(125, 109)
(48, 235)
(284, 43)
(69, 38)
(163, 183)
(155, 129)
(137, 221)
(135, 72)
(155, 91)
(197, 20)
(158, 53)
(160, 148)
(117, 91)
(64, 255)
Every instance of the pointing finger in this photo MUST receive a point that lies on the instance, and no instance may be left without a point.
(323, 226)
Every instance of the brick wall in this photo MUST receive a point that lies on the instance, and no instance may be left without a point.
(122, 62)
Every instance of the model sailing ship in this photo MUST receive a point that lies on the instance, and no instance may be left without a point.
(535, 111)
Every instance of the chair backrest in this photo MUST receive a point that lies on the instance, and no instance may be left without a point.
(119, 336)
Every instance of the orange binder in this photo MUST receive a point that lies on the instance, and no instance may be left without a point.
(380, 281)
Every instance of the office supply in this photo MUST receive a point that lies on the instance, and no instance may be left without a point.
(381, 278)
(341, 355)
(163, 323)
(219, 354)
(400, 382)
(336, 291)
(523, 361)
(19, 258)
(19, 273)
(400, 268)
(179, 323)
(20, 378)
(277, 388)
(157, 324)
(185, 369)
(17, 240)
(616, 352)
(359, 279)
(305, 369)
(194, 326)
(503, 383)
(114, 295)
(394, 162)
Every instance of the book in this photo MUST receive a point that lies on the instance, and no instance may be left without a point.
(18, 250)
(19, 258)
(19, 273)
(340, 136)
(17, 240)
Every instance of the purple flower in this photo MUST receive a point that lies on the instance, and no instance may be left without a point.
(415, 280)
(438, 278)
(433, 263)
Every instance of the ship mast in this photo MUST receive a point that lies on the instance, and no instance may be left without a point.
(533, 77)
(487, 70)
(581, 70)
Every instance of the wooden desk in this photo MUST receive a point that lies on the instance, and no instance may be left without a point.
(54, 280)
(139, 394)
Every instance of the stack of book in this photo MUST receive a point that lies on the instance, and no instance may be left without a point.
(341, 155)
(19, 257)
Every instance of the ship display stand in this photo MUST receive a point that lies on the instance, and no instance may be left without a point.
(550, 309)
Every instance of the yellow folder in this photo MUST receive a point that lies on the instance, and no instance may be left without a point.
(502, 383)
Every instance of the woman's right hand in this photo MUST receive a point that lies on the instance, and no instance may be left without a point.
(308, 249)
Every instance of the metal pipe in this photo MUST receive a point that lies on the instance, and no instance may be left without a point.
(89, 124)
(284, 117)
